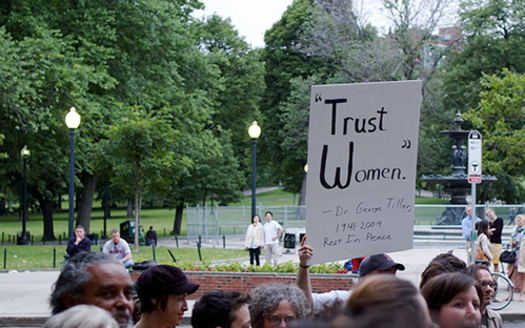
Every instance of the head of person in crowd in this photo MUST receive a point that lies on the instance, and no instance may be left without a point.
(520, 220)
(80, 232)
(468, 210)
(221, 309)
(382, 300)
(268, 216)
(483, 227)
(442, 263)
(162, 292)
(115, 236)
(491, 214)
(377, 264)
(482, 275)
(277, 305)
(454, 300)
(96, 279)
(256, 219)
(82, 316)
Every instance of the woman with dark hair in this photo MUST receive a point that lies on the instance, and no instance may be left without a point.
(483, 250)
(255, 239)
(278, 305)
(454, 300)
(386, 301)
(162, 292)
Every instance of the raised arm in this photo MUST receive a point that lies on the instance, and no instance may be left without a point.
(303, 275)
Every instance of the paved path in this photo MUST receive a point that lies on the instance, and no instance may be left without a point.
(24, 295)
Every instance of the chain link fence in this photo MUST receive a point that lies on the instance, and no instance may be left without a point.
(212, 222)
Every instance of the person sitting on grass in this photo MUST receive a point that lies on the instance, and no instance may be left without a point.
(118, 248)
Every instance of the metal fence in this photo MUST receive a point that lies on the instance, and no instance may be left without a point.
(215, 221)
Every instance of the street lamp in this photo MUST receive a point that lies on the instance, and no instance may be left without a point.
(22, 240)
(72, 122)
(254, 131)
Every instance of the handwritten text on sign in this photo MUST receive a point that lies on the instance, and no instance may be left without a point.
(362, 153)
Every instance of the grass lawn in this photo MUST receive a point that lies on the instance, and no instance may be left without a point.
(40, 257)
(162, 218)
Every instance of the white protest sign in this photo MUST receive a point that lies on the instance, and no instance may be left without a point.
(362, 155)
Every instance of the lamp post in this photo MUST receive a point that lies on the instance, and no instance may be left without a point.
(254, 131)
(72, 122)
(22, 240)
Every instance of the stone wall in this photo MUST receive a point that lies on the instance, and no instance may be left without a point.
(246, 281)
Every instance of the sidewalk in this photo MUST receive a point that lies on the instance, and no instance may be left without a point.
(24, 295)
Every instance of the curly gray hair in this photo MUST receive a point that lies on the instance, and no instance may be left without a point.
(266, 298)
(74, 277)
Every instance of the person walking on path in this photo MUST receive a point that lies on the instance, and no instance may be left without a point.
(119, 248)
(79, 242)
(495, 229)
(272, 233)
(467, 225)
(255, 239)
(483, 248)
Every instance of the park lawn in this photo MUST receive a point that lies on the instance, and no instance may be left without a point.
(161, 218)
(42, 256)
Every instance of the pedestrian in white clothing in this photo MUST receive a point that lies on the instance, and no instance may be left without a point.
(255, 239)
(272, 233)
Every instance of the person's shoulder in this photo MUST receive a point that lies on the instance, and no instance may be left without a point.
(493, 314)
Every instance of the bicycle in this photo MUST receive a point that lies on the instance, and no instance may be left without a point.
(503, 292)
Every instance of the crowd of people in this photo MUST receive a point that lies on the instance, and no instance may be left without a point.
(451, 294)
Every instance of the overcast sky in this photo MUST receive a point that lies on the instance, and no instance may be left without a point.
(252, 18)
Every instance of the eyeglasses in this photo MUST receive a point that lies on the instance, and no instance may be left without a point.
(289, 321)
(484, 284)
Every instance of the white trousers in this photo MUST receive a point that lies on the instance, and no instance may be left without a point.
(273, 251)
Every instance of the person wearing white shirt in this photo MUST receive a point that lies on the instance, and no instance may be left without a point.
(272, 233)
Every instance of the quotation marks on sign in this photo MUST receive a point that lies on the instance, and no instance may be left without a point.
(406, 144)
(318, 97)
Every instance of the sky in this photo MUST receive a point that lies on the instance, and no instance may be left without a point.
(252, 18)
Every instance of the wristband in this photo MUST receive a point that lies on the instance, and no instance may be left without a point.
(304, 266)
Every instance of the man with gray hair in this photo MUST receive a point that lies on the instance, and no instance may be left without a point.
(95, 279)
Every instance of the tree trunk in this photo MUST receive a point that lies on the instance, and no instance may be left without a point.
(85, 201)
(47, 209)
(301, 215)
(3, 207)
(129, 211)
(138, 201)
(178, 218)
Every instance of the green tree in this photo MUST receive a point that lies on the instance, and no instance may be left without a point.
(494, 39)
(140, 147)
(42, 76)
(237, 97)
(499, 118)
(285, 61)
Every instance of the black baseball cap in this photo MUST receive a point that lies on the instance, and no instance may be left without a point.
(163, 280)
(378, 262)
